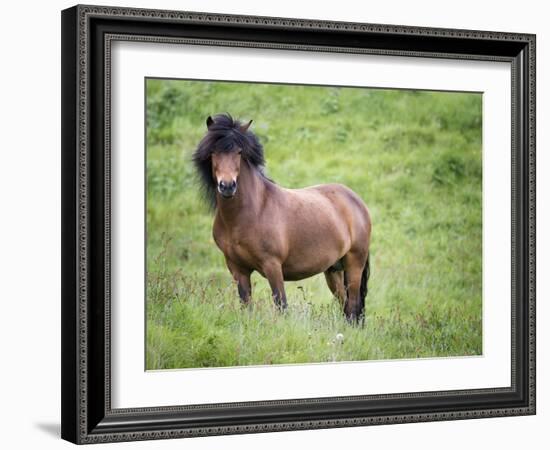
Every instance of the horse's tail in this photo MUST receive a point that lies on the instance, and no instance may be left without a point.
(363, 290)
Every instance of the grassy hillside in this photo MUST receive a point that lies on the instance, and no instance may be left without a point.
(415, 159)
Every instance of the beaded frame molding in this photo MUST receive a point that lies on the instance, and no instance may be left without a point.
(87, 34)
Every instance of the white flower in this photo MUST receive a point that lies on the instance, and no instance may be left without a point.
(340, 338)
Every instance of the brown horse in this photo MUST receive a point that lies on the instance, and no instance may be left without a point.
(284, 234)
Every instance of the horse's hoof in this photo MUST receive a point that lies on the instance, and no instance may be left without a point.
(355, 320)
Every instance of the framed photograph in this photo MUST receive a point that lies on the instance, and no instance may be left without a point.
(278, 224)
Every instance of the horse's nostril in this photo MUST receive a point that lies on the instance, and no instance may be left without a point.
(233, 184)
(222, 185)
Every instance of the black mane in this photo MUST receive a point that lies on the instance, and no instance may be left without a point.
(226, 135)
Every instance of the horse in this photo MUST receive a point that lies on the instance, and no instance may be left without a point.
(284, 234)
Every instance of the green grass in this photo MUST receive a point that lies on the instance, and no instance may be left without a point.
(414, 157)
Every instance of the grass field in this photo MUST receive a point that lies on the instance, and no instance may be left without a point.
(415, 159)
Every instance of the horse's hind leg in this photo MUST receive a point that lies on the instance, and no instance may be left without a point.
(335, 282)
(354, 263)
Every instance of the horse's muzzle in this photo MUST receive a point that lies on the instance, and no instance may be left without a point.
(227, 190)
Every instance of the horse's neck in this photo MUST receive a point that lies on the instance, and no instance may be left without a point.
(248, 199)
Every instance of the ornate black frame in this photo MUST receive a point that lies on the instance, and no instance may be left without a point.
(87, 32)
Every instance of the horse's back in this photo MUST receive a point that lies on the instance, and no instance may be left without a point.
(345, 200)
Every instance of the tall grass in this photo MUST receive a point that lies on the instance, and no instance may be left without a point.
(414, 157)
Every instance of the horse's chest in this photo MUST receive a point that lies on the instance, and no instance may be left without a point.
(236, 249)
(239, 252)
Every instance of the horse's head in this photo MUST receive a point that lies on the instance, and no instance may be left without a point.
(226, 160)
(220, 153)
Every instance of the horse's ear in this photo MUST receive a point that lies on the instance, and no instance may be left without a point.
(209, 122)
(244, 128)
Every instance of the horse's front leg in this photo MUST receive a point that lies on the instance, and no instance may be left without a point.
(242, 277)
(273, 271)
